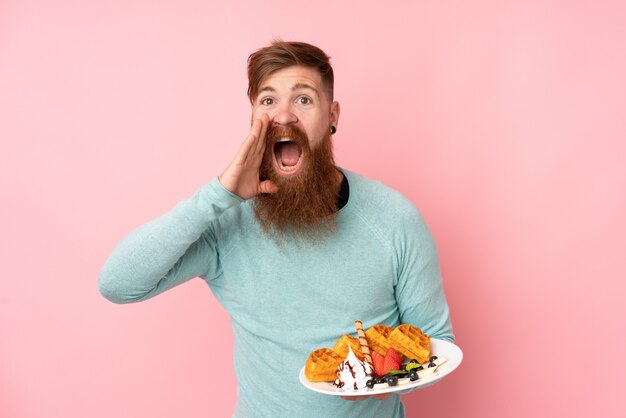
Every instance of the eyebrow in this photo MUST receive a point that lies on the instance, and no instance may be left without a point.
(297, 86)
(301, 86)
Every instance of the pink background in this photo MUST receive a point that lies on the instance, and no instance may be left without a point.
(503, 121)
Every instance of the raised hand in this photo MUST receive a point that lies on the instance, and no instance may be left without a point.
(241, 177)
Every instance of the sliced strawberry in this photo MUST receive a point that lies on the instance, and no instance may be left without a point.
(391, 363)
(378, 362)
(394, 354)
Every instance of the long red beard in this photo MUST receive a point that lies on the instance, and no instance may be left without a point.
(306, 202)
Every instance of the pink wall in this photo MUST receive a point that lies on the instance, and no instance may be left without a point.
(504, 121)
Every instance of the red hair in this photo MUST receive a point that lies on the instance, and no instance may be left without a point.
(281, 55)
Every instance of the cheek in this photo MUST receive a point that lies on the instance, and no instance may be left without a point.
(256, 113)
(315, 137)
(319, 132)
(315, 127)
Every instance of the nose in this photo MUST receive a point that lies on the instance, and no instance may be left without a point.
(284, 115)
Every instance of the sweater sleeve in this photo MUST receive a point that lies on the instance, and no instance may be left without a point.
(169, 250)
(419, 292)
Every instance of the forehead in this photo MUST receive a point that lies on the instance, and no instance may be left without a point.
(290, 78)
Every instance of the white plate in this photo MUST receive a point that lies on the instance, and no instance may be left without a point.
(437, 348)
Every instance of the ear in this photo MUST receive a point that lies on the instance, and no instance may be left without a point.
(334, 113)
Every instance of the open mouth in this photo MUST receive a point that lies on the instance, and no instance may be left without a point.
(287, 156)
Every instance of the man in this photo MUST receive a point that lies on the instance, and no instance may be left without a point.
(294, 248)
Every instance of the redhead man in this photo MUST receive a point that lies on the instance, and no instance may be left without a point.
(294, 247)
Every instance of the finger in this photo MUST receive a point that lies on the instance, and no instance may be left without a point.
(268, 186)
(354, 398)
(248, 145)
(258, 130)
(244, 149)
(260, 145)
(383, 396)
(255, 129)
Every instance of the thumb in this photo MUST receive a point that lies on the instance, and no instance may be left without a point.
(268, 186)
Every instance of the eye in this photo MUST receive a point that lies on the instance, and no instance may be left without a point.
(268, 101)
(304, 100)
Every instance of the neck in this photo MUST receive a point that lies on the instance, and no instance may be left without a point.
(338, 179)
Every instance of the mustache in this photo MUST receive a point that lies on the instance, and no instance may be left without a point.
(276, 133)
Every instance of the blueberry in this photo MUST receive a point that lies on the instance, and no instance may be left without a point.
(433, 358)
(432, 365)
(379, 380)
(417, 369)
(392, 380)
(370, 383)
(413, 376)
(413, 361)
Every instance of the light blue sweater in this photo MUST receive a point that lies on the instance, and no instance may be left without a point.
(286, 300)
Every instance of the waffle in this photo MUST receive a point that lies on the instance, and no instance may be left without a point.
(322, 364)
(341, 346)
(411, 342)
(378, 338)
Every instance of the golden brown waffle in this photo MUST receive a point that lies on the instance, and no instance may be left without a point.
(322, 365)
(411, 342)
(378, 338)
(341, 346)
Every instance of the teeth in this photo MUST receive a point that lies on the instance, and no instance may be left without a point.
(288, 168)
